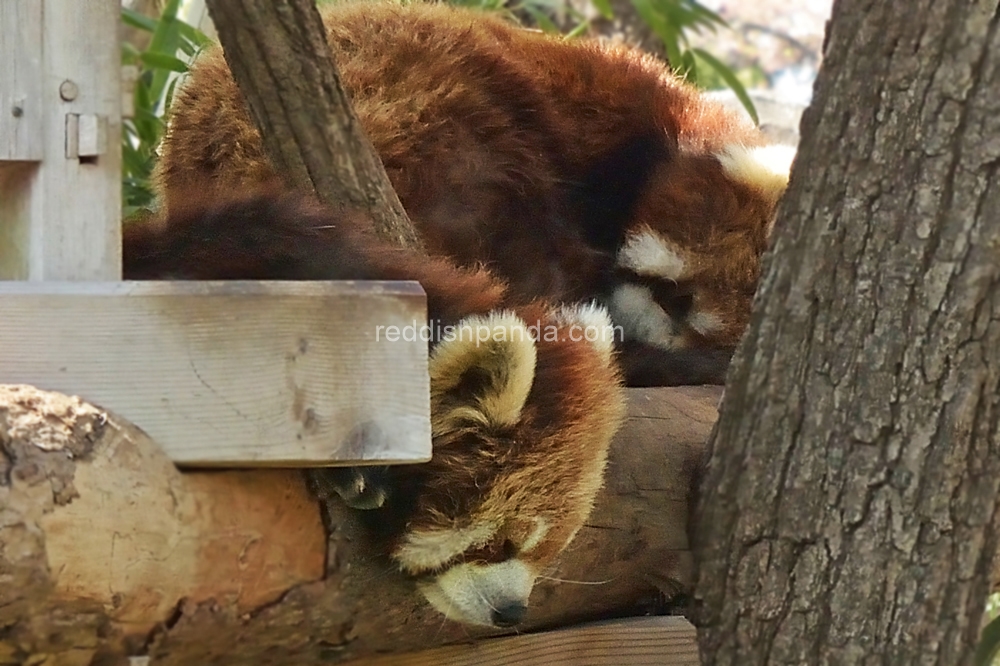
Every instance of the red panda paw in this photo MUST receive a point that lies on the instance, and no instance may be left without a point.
(362, 488)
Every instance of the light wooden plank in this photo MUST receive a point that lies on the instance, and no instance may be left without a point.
(233, 373)
(66, 212)
(645, 641)
(21, 112)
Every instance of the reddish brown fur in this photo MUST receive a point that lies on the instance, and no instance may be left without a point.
(487, 131)
(547, 464)
(722, 239)
(543, 466)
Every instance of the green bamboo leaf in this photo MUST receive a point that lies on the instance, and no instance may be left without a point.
(166, 41)
(578, 30)
(130, 54)
(544, 22)
(604, 7)
(193, 35)
(134, 19)
(731, 80)
(163, 62)
(989, 644)
(690, 67)
(707, 16)
(168, 98)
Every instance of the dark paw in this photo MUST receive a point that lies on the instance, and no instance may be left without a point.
(359, 487)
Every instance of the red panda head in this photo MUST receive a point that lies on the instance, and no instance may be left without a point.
(524, 404)
(524, 400)
(689, 258)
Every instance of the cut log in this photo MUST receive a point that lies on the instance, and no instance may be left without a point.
(108, 551)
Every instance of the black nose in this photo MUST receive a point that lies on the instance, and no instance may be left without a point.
(508, 615)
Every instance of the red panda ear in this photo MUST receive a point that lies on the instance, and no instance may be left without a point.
(589, 322)
(764, 168)
(482, 372)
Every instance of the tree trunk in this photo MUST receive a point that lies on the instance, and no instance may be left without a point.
(279, 57)
(848, 511)
(107, 551)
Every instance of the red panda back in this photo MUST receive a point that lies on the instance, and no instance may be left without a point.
(541, 158)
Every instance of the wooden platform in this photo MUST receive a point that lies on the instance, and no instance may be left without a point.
(645, 641)
(234, 373)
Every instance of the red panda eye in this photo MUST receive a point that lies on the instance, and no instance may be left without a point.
(508, 549)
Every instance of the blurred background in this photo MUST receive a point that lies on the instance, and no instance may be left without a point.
(760, 56)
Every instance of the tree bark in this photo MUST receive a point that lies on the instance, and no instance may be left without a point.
(848, 510)
(279, 57)
(108, 551)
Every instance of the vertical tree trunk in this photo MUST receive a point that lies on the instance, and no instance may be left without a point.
(279, 57)
(848, 510)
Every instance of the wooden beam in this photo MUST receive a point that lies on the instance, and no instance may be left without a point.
(60, 140)
(109, 551)
(641, 641)
(234, 373)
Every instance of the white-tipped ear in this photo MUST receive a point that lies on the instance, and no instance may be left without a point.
(482, 371)
(765, 168)
(589, 322)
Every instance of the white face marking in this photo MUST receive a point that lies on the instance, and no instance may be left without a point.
(536, 536)
(632, 306)
(471, 592)
(429, 549)
(704, 322)
(647, 253)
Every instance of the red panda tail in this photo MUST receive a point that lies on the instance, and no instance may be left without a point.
(267, 234)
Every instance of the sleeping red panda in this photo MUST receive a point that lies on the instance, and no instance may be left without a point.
(574, 170)
(521, 419)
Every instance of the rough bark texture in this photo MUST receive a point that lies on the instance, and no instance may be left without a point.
(107, 551)
(278, 54)
(849, 505)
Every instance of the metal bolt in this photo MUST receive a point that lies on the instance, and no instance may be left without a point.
(17, 111)
(68, 90)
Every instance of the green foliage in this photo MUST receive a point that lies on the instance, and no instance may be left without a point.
(989, 644)
(154, 90)
(158, 65)
(672, 21)
(541, 12)
(988, 649)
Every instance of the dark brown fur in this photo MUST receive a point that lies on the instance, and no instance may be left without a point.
(266, 234)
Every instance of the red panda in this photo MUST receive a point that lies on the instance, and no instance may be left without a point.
(521, 419)
(573, 169)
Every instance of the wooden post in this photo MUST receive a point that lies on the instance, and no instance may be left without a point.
(60, 140)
